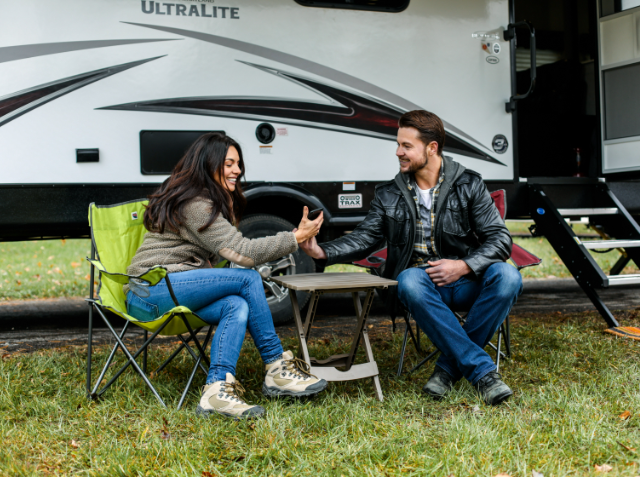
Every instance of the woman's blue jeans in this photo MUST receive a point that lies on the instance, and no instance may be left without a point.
(232, 298)
(488, 300)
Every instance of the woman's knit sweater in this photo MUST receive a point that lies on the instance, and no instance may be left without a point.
(190, 249)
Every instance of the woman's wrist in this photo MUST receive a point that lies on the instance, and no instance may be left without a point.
(300, 236)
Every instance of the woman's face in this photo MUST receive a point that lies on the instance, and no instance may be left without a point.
(231, 170)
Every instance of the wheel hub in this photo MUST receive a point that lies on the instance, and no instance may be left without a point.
(264, 271)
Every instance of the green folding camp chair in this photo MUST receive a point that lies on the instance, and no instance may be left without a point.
(116, 233)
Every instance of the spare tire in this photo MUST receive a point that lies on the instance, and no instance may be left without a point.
(262, 225)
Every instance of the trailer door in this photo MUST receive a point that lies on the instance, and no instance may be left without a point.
(619, 67)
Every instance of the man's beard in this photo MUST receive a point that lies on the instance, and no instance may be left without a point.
(413, 168)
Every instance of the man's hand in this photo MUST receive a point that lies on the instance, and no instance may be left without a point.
(311, 248)
(442, 272)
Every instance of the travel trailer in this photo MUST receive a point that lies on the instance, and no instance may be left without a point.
(99, 100)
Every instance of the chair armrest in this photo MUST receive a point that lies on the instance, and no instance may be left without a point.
(151, 276)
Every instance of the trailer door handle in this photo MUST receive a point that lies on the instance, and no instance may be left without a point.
(509, 34)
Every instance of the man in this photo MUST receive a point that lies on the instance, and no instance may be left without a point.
(446, 246)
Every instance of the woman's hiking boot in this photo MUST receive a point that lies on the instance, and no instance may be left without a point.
(291, 376)
(492, 389)
(439, 384)
(225, 397)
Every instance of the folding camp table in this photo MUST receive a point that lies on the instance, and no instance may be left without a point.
(319, 284)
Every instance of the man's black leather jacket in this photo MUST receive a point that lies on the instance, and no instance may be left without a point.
(467, 226)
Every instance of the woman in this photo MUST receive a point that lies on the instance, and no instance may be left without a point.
(192, 223)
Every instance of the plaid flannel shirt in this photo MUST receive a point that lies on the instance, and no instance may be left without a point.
(424, 247)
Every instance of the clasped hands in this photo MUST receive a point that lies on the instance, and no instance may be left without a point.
(308, 229)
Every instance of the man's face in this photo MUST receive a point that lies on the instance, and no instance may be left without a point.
(411, 152)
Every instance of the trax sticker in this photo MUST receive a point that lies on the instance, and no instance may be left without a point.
(265, 149)
(494, 60)
(350, 201)
(180, 10)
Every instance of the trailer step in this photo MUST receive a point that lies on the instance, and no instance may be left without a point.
(617, 280)
(588, 212)
(608, 215)
(591, 244)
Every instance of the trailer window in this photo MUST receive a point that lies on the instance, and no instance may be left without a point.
(622, 102)
(609, 7)
(160, 151)
(390, 6)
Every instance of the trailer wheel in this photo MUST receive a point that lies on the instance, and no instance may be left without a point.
(262, 225)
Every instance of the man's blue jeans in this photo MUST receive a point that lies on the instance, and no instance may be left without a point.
(232, 298)
(488, 300)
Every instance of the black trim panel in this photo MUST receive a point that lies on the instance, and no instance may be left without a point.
(60, 210)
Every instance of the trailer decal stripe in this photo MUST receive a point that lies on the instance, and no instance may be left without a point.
(346, 112)
(16, 104)
(20, 52)
(309, 66)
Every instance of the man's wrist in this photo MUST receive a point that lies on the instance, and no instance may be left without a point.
(464, 267)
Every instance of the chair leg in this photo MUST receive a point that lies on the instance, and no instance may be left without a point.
(89, 350)
(145, 353)
(195, 339)
(109, 360)
(507, 336)
(421, 363)
(404, 347)
(498, 350)
(90, 330)
(132, 358)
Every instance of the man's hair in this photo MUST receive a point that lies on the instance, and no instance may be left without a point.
(429, 126)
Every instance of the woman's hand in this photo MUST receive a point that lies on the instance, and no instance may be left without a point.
(308, 228)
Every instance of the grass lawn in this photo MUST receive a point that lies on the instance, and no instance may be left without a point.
(54, 268)
(573, 385)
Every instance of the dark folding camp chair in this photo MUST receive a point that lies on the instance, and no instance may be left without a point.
(520, 257)
(116, 233)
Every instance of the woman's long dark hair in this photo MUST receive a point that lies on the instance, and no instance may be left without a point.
(193, 177)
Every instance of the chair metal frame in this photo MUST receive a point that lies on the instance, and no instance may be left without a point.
(504, 332)
(94, 391)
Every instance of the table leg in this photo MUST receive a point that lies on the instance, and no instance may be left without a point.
(311, 313)
(369, 351)
(362, 333)
(361, 313)
(302, 340)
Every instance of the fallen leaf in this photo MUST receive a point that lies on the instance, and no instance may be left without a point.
(536, 474)
(51, 257)
(75, 264)
(206, 474)
(164, 432)
(625, 415)
(252, 427)
(475, 409)
(75, 444)
(630, 449)
(603, 468)
(503, 475)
